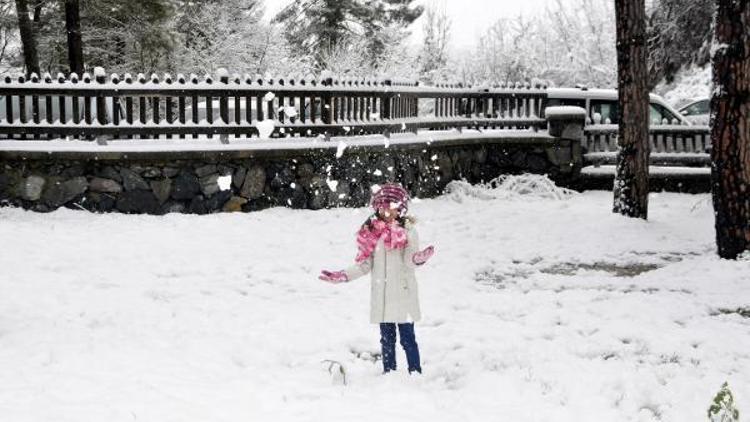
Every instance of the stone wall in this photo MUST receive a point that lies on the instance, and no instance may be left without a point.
(301, 178)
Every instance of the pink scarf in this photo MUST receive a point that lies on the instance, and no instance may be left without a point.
(394, 237)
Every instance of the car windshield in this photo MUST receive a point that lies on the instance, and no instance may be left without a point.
(697, 108)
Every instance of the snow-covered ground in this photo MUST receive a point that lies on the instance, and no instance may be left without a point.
(535, 310)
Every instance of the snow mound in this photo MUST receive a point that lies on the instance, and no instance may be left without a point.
(524, 186)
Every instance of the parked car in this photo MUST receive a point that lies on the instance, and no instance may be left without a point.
(602, 106)
(697, 111)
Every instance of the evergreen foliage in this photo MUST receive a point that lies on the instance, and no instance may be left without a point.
(326, 28)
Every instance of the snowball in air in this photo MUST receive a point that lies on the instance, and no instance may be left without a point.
(265, 128)
(225, 182)
(340, 149)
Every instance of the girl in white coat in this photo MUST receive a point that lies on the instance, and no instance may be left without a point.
(389, 250)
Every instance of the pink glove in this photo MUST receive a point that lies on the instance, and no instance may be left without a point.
(334, 277)
(421, 257)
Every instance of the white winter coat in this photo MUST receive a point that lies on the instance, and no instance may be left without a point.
(394, 296)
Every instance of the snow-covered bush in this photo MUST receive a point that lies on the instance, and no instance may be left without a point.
(571, 43)
(229, 34)
(510, 187)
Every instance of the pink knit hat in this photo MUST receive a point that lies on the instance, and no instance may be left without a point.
(390, 195)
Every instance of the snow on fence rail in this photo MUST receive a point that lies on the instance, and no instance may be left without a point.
(47, 108)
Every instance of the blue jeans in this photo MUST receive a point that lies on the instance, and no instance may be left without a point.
(408, 342)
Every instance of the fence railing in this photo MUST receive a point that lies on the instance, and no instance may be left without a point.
(246, 107)
(669, 144)
(187, 107)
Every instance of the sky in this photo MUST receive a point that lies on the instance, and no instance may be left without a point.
(470, 17)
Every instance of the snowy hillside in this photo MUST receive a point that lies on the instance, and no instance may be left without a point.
(537, 308)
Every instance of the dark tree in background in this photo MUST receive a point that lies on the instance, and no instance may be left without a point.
(679, 34)
(28, 38)
(730, 127)
(75, 42)
(631, 180)
(320, 25)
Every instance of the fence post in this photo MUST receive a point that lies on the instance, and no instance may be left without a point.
(326, 100)
(223, 100)
(387, 101)
(101, 107)
(567, 125)
(223, 103)
(326, 107)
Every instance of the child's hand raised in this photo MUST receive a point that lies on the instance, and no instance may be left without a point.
(421, 257)
(334, 277)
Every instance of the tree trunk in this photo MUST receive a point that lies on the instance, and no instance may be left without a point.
(730, 127)
(631, 180)
(28, 38)
(75, 44)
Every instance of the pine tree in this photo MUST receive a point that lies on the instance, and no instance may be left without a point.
(631, 180)
(385, 25)
(326, 27)
(320, 26)
(730, 131)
